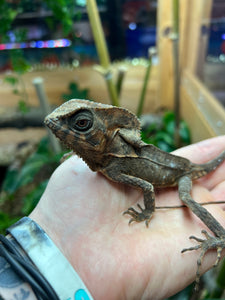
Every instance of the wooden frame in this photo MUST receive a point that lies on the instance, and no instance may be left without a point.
(204, 114)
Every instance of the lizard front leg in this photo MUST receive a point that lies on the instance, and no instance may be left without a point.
(211, 242)
(145, 213)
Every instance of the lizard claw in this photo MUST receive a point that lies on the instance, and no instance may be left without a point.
(210, 242)
(144, 215)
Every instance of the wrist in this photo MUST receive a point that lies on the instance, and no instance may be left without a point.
(65, 236)
(51, 227)
(48, 259)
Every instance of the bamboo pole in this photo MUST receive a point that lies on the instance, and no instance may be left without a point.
(102, 49)
(176, 69)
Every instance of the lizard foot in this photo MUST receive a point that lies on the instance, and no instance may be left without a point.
(144, 215)
(211, 242)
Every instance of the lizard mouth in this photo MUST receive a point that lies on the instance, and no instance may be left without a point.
(52, 124)
(60, 130)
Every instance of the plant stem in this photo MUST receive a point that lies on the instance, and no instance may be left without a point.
(101, 48)
(120, 78)
(175, 40)
(152, 51)
(144, 88)
(23, 87)
(176, 16)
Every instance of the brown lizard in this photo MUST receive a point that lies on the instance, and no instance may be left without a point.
(108, 140)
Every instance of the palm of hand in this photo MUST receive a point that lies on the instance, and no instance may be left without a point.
(117, 261)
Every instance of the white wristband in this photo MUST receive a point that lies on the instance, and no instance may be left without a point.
(51, 263)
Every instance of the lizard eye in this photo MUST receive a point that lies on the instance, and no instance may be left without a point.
(82, 121)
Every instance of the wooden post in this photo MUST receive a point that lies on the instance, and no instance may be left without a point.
(185, 17)
(196, 35)
(193, 43)
(164, 25)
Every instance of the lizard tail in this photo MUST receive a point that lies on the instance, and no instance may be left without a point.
(203, 169)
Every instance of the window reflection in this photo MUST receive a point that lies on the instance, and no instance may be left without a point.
(214, 66)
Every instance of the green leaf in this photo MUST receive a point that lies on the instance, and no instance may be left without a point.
(31, 167)
(19, 64)
(22, 106)
(164, 146)
(28, 172)
(11, 80)
(164, 136)
(43, 147)
(150, 140)
(7, 16)
(32, 199)
(14, 179)
(63, 10)
(168, 117)
(16, 91)
(184, 132)
(170, 127)
(10, 181)
(75, 92)
(6, 221)
(152, 128)
(20, 34)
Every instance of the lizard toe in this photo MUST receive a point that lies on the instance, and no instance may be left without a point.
(210, 242)
(144, 215)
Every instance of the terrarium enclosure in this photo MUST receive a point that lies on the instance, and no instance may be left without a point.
(201, 62)
(150, 56)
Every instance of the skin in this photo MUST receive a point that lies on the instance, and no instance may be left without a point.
(82, 213)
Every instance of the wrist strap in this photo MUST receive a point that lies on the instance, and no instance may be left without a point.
(51, 263)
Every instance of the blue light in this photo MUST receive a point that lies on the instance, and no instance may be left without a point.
(51, 44)
(12, 36)
(33, 44)
(9, 46)
(132, 26)
(66, 43)
(223, 36)
(23, 45)
(39, 44)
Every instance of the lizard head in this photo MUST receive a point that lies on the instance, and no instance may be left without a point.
(88, 127)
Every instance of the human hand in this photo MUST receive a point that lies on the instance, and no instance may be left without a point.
(82, 213)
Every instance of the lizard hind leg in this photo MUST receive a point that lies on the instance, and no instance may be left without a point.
(210, 242)
(143, 215)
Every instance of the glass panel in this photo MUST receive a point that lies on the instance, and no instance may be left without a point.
(213, 71)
